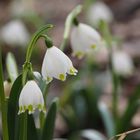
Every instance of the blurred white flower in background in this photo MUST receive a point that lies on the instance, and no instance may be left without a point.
(101, 56)
(92, 135)
(7, 88)
(56, 65)
(15, 34)
(20, 8)
(122, 63)
(31, 98)
(99, 11)
(84, 39)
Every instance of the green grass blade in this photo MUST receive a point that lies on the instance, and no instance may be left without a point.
(49, 124)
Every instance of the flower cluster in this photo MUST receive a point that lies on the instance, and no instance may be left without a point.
(55, 65)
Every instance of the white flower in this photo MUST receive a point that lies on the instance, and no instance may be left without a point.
(84, 39)
(22, 8)
(15, 33)
(122, 63)
(56, 65)
(31, 98)
(99, 11)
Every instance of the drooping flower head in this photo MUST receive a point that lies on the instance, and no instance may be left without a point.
(56, 65)
(31, 98)
(84, 39)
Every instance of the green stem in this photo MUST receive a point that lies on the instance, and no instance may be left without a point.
(42, 115)
(115, 89)
(34, 40)
(32, 43)
(75, 12)
(3, 103)
(108, 38)
(42, 119)
(25, 126)
(23, 131)
(46, 92)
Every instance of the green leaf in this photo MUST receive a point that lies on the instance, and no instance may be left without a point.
(49, 124)
(133, 104)
(32, 131)
(11, 67)
(13, 108)
(3, 105)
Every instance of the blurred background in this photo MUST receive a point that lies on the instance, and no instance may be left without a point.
(86, 99)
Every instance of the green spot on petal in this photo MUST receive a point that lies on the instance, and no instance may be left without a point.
(62, 77)
(21, 110)
(25, 108)
(73, 71)
(44, 109)
(40, 107)
(93, 46)
(30, 109)
(79, 54)
(49, 79)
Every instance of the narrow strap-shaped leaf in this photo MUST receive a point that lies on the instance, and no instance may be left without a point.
(13, 108)
(30, 125)
(3, 103)
(32, 131)
(124, 122)
(49, 124)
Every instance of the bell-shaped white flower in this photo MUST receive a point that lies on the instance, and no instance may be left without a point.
(31, 98)
(99, 11)
(122, 63)
(15, 33)
(84, 39)
(56, 65)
